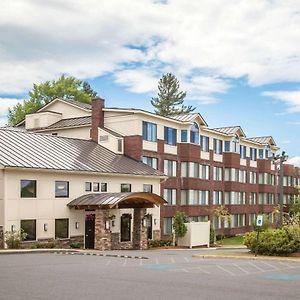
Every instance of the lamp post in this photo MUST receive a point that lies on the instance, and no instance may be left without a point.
(281, 158)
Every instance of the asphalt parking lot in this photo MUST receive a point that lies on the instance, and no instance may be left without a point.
(159, 275)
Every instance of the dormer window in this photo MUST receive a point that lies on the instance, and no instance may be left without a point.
(236, 144)
(268, 151)
(194, 134)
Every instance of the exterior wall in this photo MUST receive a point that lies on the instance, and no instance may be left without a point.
(1, 237)
(66, 110)
(110, 142)
(45, 208)
(42, 119)
(78, 133)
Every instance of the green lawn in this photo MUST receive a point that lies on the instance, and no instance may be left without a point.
(232, 241)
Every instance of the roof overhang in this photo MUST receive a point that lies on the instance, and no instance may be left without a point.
(117, 200)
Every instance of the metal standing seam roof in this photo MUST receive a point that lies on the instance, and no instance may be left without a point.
(229, 130)
(262, 139)
(72, 122)
(41, 151)
(113, 199)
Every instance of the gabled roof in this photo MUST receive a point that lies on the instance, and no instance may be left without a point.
(41, 151)
(84, 106)
(71, 122)
(265, 140)
(231, 130)
(191, 117)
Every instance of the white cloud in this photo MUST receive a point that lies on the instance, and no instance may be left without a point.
(290, 98)
(294, 161)
(6, 103)
(202, 42)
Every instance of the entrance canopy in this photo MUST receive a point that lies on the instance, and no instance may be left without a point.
(117, 200)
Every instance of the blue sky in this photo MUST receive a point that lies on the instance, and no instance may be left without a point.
(238, 60)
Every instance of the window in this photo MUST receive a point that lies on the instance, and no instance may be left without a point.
(238, 220)
(149, 131)
(216, 222)
(231, 174)
(61, 228)
(103, 187)
(61, 189)
(252, 177)
(251, 219)
(194, 197)
(268, 152)
(235, 198)
(170, 196)
(217, 198)
(147, 188)
(236, 143)
(218, 146)
(252, 199)
(125, 187)
(243, 151)
(120, 145)
(168, 225)
(204, 172)
(253, 154)
(183, 135)
(194, 134)
(260, 153)
(150, 161)
(184, 169)
(28, 188)
(29, 227)
(88, 186)
(96, 187)
(194, 170)
(170, 136)
(242, 176)
(204, 143)
(227, 146)
(218, 174)
(198, 219)
(170, 167)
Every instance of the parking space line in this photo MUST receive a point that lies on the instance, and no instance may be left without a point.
(269, 265)
(186, 259)
(225, 270)
(108, 263)
(185, 270)
(203, 271)
(172, 260)
(124, 263)
(156, 261)
(240, 268)
(141, 262)
(255, 266)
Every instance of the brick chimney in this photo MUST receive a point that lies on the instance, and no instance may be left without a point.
(97, 117)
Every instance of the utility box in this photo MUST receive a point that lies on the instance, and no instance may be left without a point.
(198, 234)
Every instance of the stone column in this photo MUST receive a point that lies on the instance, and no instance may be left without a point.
(102, 235)
(139, 238)
(1, 237)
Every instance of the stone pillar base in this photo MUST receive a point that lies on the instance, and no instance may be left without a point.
(102, 235)
(139, 239)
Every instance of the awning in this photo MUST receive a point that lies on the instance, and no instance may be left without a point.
(117, 200)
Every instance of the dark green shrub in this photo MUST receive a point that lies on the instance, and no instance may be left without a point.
(212, 236)
(76, 245)
(159, 243)
(279, 242)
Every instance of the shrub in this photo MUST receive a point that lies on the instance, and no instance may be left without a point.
(159, 243)
(212, 236)
(75, 245)
(279, 242)
(13, 239)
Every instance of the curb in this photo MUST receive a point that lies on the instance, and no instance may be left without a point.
(291, 259)
(100, 254)
(30, 251)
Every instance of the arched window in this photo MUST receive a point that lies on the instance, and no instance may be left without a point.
(194, 134)
(236, 144)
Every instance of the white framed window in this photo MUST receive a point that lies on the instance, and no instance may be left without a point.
(170, 196)
(168, 225)
(218, 174)
(217, 197)
(252, 177)
(204, 172)
(184, 169)
(252, 198)
(151, 161)
(170, 167)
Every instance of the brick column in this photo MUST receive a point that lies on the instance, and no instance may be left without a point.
(139, 238)
(102, 235)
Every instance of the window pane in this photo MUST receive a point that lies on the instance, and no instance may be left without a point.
(29, 227)
(147, 188)
(28, 188)
(125, 187)
(61, 228)
(103, 187)
(96, 187)
(88, 186)
(183, 136)
(61, 189)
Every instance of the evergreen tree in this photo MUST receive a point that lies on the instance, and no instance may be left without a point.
(169, 100)
(179, 227)
(41, 94)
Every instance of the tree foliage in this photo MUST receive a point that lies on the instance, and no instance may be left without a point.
(222, 213)
(179, 227)
(169, 100)
(64, 87)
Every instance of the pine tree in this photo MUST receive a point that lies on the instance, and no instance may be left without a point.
(169, 100)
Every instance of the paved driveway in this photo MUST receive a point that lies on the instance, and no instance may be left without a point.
(164, 275)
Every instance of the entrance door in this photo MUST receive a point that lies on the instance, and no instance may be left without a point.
(126, 228)
(90, 231)
(149, 227)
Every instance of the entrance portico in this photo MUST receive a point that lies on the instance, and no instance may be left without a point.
(103, 204)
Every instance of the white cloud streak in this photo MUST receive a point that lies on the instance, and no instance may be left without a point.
(294, 161)
(6, 103)
(202, 42)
